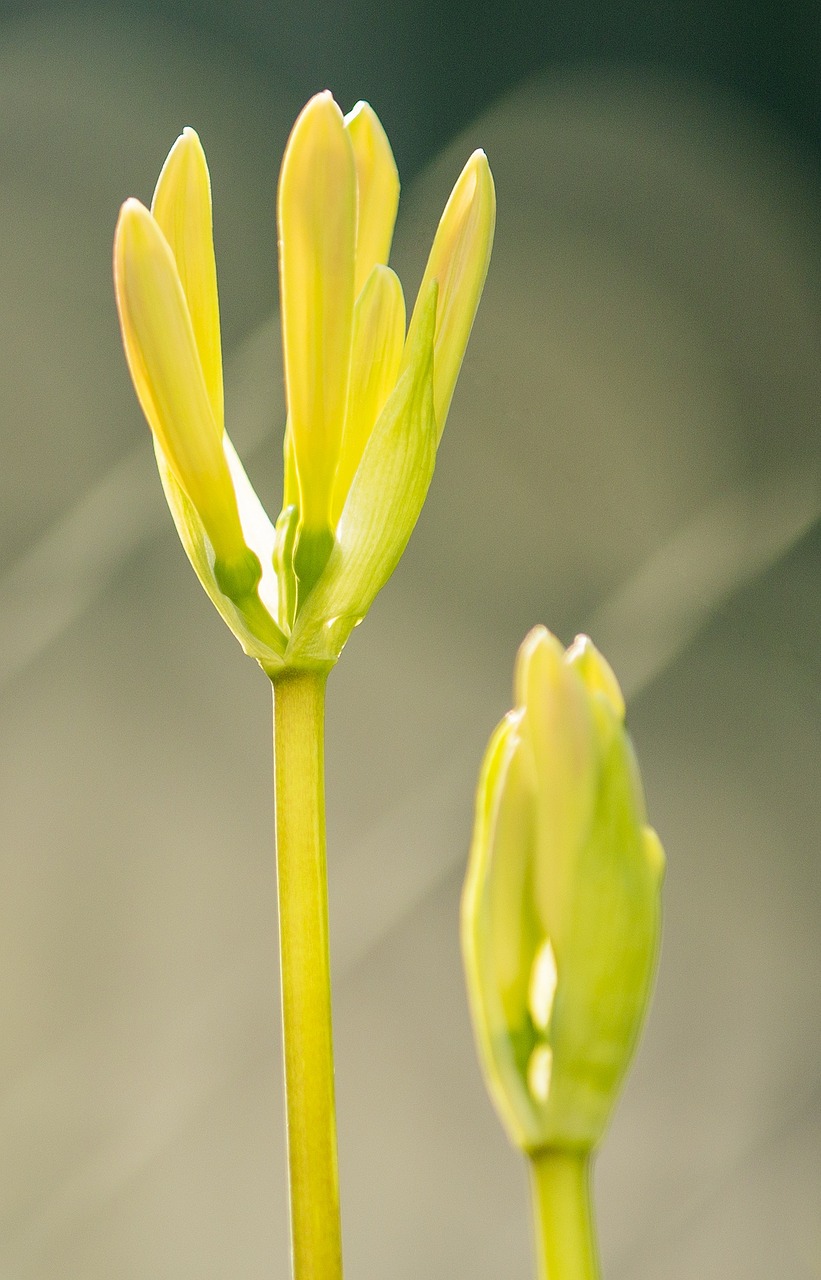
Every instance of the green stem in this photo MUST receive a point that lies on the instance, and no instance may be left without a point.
(562, 1215)
(299, 703)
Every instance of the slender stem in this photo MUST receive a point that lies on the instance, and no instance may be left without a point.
(316, 1241)
(562, 1215)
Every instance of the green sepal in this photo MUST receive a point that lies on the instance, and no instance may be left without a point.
(239, 579)
(382, 507)
(248, 613)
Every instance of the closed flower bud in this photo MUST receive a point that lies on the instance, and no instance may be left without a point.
(561, 906)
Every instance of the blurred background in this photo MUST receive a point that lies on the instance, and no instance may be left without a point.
(633, 450)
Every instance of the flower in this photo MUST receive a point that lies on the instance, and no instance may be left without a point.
(367, 402)
(561, 905)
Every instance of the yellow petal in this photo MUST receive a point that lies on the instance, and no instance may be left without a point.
(165, 367)
(317, 231)
(378, 338)
(497, 932)
(558, 725)
(459, 260)
(182, 209)
(596, 672)
(377, 183)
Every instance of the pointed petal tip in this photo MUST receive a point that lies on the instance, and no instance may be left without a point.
(478, 160)
(541, 647)
(477, 167)
(317, 134)
(363, 122)
(188, 143)
(186, 137)
(379, 277)
(322, 103)
(479, 197)
(126, 229)
(596, 672)
(536, 635)
(359, 108)
(186, 147)
(134, 222)
(316, 129)
(132, 207)
(485, 186)
(363, 116)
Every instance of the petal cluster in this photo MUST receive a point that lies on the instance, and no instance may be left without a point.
(561, 906)
(367, 399)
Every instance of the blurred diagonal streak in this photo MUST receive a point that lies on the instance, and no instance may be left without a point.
(645, 625)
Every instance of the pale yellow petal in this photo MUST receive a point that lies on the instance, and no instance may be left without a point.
(559, 729)
(165, 367)
(378, 338)
(596, 672)
(317, 230)
(182, 208)
(459, 261)
(377, 183)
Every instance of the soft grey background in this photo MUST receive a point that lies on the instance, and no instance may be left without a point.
(633, 450)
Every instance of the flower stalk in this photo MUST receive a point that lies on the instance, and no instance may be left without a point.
(565, 1238)
(305, 976)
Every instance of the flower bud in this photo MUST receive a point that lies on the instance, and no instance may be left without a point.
(561, 906)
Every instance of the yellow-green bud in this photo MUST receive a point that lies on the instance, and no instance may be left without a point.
(561, 906)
